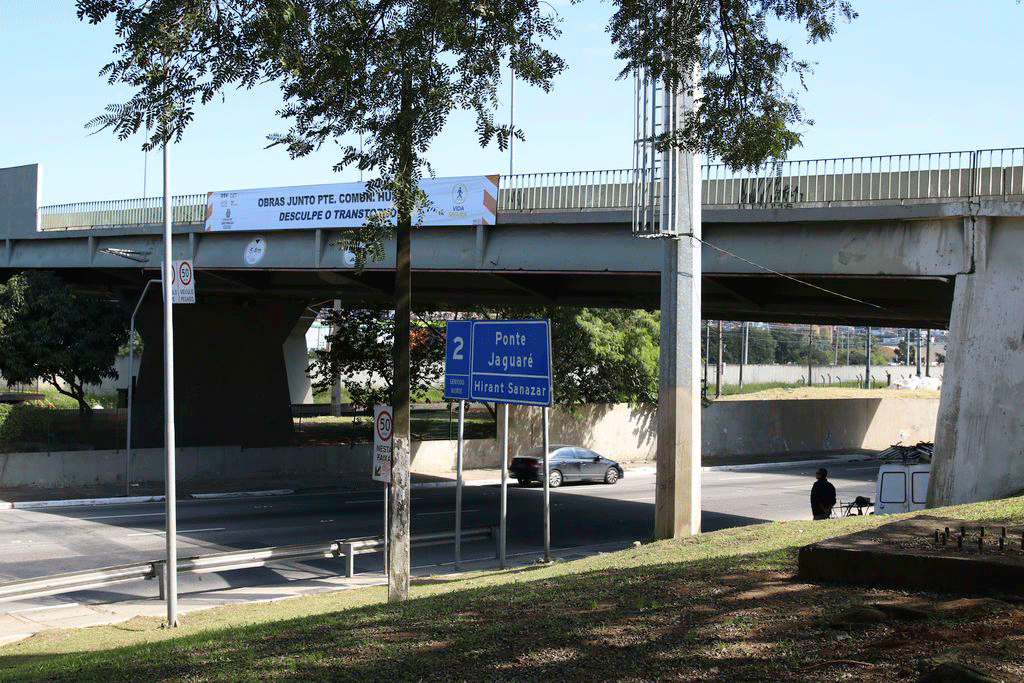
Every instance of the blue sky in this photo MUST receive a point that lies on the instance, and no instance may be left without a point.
(906, 76)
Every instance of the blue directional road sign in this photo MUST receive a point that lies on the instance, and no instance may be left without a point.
(458, 340)
(509, 361)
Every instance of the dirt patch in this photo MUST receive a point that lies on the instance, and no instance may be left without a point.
(946, 636)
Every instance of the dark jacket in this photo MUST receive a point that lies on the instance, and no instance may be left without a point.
(823, 499)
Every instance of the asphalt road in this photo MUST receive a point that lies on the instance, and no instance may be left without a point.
(55, 540)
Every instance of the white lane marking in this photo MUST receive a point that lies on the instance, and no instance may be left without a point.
(449, 512)
(377, 500)
(180, 531)
(141, 514)
(636, 500)
(43, 609)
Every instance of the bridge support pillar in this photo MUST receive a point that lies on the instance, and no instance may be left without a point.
(231, 380)
(979, 435)
(677, 494)
(296, 358)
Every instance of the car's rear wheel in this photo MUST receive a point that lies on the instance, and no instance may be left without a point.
(611, 476)
(554, 479)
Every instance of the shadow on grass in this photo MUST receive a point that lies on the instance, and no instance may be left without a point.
(643, 623)
(688, 610)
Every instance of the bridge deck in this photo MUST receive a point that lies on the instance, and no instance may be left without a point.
(861, 240)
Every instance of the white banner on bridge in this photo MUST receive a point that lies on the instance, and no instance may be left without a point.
(456, 201)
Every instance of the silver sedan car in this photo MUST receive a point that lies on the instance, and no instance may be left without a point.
(565, 463)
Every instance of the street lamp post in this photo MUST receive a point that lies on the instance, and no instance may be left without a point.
(171, 531)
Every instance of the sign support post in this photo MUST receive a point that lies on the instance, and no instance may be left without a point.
(458, 486)
(504, 361)
(504, 485)
(547, 489)
(387, 525)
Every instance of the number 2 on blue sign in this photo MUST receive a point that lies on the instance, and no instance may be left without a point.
(458, 343)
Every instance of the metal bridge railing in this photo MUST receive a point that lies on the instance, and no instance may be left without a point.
(880, 179)
(186, 209)
(897, 178)
(572, 190)
(217, 562)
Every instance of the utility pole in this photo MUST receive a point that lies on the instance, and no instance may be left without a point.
(170, 508)
(721, 364)
(917, 353)
(928, 353)
(810, 347)
(707, 349)
(743, 352)
(867, 360)
(677, 507)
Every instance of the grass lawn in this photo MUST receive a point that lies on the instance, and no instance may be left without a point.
(721, 606)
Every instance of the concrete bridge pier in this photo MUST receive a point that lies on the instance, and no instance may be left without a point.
(979, 436)
(296, 358)
(231, 376)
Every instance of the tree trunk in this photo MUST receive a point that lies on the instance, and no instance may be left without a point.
(84, 418)
(399, 541)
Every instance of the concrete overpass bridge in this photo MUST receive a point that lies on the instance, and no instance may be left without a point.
(927, 240)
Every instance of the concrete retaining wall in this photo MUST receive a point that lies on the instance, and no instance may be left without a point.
(823, 376)
(730, 428)
(754, 427)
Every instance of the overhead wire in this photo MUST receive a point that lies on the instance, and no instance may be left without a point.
(790, 277)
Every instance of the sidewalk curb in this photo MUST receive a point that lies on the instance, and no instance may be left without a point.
(130, 500)
(243, 494)
(793, 463)
(78, 502)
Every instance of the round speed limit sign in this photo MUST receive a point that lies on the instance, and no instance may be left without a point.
(383, 425)
(185, 273)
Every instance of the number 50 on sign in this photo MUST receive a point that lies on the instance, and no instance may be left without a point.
(382, 443)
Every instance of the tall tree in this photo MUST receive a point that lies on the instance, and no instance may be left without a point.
(393, 70)
(746, 111)
(358, 352)
(604, 355)
(389, 70)
(48, 331)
